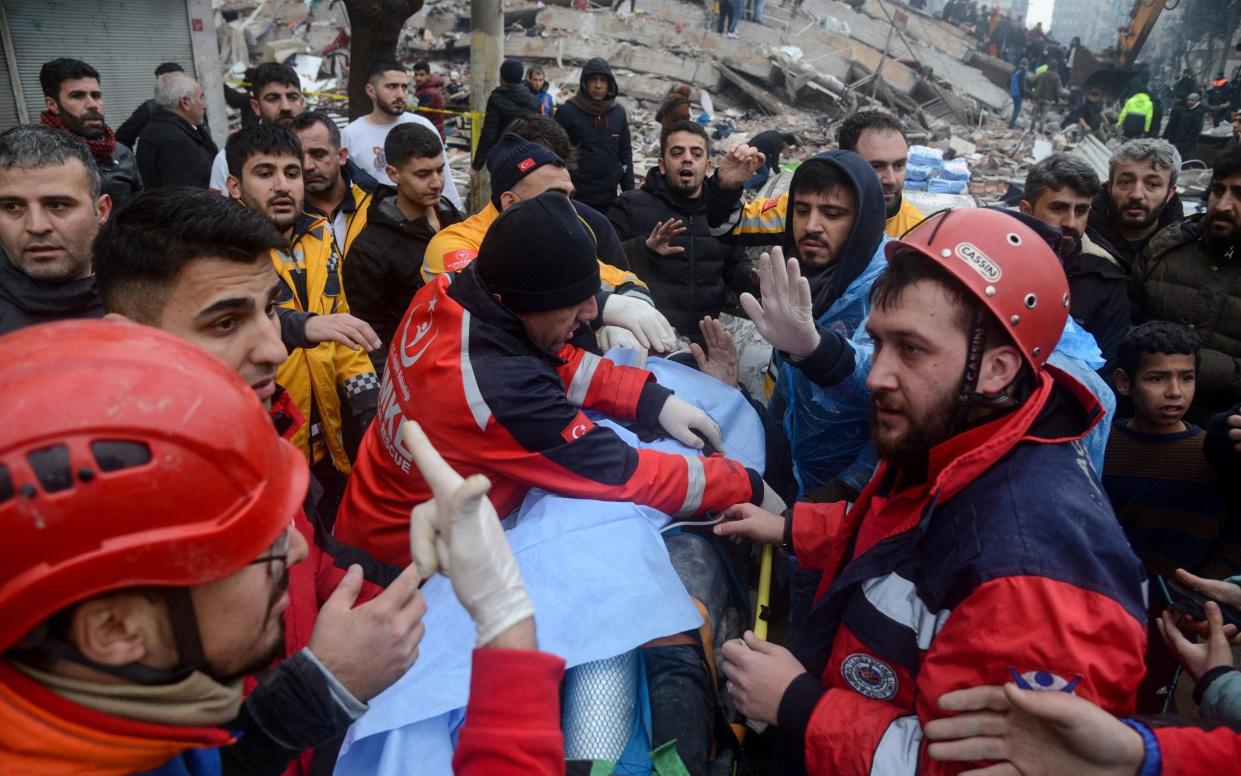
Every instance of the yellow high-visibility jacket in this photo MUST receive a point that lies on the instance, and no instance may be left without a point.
(454, 247)
(310, 274)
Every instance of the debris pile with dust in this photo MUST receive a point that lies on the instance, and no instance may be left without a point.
(802, 69)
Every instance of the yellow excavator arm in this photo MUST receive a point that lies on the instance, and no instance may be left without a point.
(1142, 18)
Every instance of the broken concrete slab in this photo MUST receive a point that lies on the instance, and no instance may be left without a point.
(761, 97)
(880, 36)
(959, 146)
(620, 55)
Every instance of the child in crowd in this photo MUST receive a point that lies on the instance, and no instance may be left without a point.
(1166, 495)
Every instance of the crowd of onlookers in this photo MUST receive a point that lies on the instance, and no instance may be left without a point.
(995, 427)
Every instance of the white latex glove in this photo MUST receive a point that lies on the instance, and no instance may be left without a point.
(785, 317)
(647, 324)
(772, 501)
(615, 337)
(459, 534)
(680, 419)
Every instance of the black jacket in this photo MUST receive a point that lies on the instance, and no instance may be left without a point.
(128, 132)
(121, 180)
(25, 301)
(1101, 227)
(771, 143)
(604, 149)
(384, 268)
(507, 103)
(171, 152)
(1099, 297)
(1184, 126)
(685, 286)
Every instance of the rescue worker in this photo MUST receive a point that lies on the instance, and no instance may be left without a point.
(880, 139)
(971, 425)
(114, 667)
(332, 191)
(198, 266)
(1136, 115)
(500, 391)
(265, 174)
(1047, 734)
(1046, 91)
(155, 576)
(521, 169)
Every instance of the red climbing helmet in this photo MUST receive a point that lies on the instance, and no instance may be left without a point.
(129, 458)
(1006, 265)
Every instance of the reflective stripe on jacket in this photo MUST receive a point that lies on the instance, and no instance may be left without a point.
(310, 274)
(982, 573)
(493, 402)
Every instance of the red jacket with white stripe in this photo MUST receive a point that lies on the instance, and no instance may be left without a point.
(492, 402)
(1005, 563)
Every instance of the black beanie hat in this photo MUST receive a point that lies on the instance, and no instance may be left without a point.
(511, 71)
(539, 255)
(513, 158)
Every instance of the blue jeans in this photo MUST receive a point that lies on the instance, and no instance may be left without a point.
(1016, 111)
(737, 11)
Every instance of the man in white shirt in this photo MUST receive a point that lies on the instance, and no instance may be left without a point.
(387, 84)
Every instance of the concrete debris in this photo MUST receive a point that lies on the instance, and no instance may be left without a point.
(803, 69)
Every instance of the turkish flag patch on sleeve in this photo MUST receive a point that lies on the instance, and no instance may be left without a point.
(577, 428)
(455, 261)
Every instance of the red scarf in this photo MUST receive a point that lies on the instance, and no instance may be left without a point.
(102, 149)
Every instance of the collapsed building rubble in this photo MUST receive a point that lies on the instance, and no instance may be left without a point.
(803, 70)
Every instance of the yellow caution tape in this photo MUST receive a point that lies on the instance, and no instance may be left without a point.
(476, 118)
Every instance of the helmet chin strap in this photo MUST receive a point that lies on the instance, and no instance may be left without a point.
(185, 636)
(968, 398)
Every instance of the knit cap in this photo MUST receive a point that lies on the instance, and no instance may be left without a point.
(513, 158)
(539, 255)
(511, 71)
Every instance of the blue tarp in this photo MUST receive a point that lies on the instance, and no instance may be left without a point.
(597, 572)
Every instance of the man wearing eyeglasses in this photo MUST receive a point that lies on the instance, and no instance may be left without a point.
(198, 266)
(148, 556)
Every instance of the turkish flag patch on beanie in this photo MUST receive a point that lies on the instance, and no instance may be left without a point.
(525, 164)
